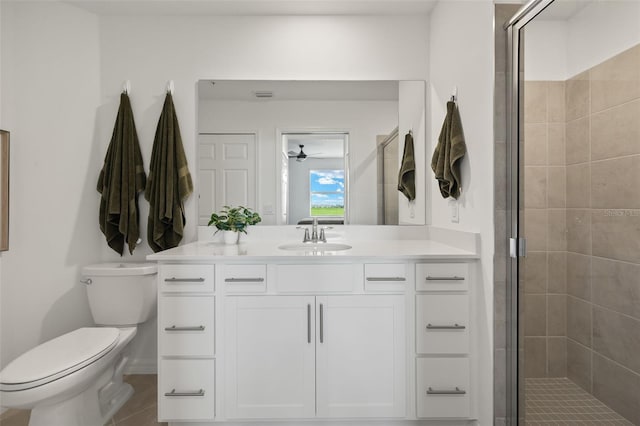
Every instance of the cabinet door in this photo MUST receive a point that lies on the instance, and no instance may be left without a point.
(360, 356)
(270, 356)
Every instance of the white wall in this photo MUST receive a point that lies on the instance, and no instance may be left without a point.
(461, 54)
(558, 50)
(62, 75)
(364, 120)
(50, 83)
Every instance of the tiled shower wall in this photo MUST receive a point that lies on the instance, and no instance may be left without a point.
(590, 236)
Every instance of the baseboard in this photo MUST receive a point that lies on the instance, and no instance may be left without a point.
(142, 366)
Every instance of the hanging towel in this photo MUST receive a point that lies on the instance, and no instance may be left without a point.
(448, 153)
(121, 179)
(407, 174)
(169, 183)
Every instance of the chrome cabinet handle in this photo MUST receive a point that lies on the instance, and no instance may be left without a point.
(454, 278)
(183, 280)
(174, 393)
(386, 279)
(321, 323)
(243, 280)
(456, 391)
(190, 328)
(308, 323)
(445, 327)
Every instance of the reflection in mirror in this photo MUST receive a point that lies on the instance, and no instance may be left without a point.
(294, 150)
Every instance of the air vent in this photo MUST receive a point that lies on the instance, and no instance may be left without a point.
(264, 94)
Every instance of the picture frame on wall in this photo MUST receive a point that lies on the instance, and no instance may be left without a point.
(4, 190)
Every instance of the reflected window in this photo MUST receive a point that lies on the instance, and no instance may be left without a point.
(326, 193)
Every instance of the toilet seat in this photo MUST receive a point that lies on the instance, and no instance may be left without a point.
(58, 357)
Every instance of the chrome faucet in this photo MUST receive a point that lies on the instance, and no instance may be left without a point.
(315, 237)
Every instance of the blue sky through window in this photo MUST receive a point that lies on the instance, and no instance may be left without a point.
(327, 188)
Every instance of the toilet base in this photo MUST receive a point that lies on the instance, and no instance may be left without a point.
(93, 407)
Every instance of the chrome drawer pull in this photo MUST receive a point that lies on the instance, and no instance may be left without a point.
(445, 327)
(174, 328)
(386, 279)
(183, 280)
(457, 391)
(244, 280)
(454, 278)
(174, 393)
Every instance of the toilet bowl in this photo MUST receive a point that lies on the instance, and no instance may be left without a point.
(76, 379)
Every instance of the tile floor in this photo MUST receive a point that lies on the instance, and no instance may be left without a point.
(559, 401)
(140, 410)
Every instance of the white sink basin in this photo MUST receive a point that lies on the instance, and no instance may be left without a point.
(315, 247)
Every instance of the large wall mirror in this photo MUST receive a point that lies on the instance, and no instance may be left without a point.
(294, 150)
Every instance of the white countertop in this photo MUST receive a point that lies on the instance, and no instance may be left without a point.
(203, 251)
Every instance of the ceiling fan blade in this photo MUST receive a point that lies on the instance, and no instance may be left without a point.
(292, 153)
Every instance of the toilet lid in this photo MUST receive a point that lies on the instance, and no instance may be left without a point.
(58, 357)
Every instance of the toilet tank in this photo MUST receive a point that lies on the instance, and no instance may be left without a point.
(121, 294)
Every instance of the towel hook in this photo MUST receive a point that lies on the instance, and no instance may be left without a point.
(126, 87)
(454, 95)
(170, 87)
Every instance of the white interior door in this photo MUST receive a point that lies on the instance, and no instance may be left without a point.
(226, 172)
(360, 356)
(270, 357)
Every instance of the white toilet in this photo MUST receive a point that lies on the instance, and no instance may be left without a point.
(76, 379)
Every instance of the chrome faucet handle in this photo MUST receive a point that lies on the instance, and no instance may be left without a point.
(306, 238)
(323, 237)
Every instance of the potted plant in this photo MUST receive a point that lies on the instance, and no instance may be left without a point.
(233, 220)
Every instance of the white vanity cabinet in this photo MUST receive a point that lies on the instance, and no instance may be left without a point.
(349, 342)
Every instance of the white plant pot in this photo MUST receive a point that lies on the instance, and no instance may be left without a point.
(230, 237)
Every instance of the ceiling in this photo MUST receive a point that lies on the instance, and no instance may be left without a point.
(317, 145)
(256, 7)
(245, 90)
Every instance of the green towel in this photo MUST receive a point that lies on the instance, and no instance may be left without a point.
(121, 179)
(407, 174)
(169, 183)
(448, 153)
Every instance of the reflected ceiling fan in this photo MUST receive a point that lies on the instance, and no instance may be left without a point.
(300, 156)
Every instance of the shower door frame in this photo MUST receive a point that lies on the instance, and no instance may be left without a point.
(515, 202)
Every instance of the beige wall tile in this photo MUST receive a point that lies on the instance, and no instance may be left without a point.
(535, 357)
(535, 194)
(500, 176)
(535, 144)
(556, 187)
(535, 265)
(556, 315)
(557, 230)
(579, 231)
(557, 357)
(577, 96)
(579, 275)
(617, 387)
(535, 315)
(577, 141)
(557, 272)
(616, 285)
(579, 321)
(556, 145)
(577, 189)
(616, 132)
(617, 337)
(535, 225)
(535, 102)
(579, 364)
(556, 101)
(615, 183)
(616, 234)
(616, 80)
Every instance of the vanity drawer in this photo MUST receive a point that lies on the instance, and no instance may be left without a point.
(442, 277)
(316, 278)
(385, 276)
(443, 388)
(183, 278)
(186, 325)
(186, 389)
(245, 278)
(442, 323)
